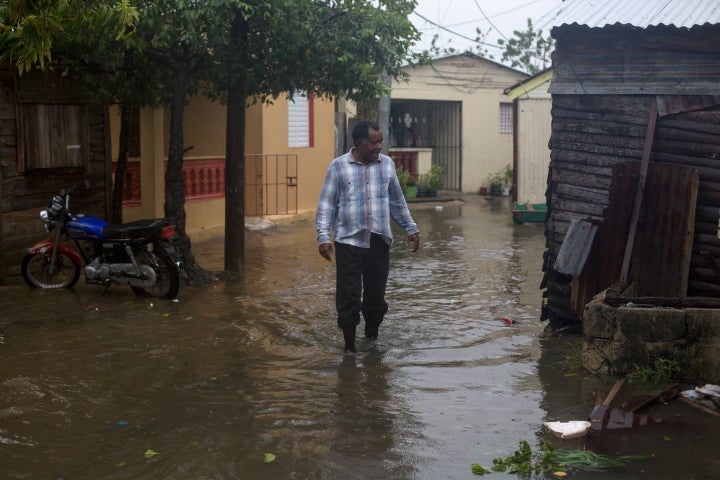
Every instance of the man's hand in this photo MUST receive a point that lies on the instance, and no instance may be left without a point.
(326, 250)
(413, 241)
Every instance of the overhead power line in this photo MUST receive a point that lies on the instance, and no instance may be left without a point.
(454, 32)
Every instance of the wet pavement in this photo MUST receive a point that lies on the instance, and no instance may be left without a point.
(120, 387)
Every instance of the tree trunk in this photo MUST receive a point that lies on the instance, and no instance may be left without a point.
(121, 166)
(175, 184)
(235, 149)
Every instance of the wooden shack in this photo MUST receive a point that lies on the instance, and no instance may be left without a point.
(50, 138)
(622, 95)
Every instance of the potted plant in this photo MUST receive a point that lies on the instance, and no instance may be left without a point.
(430, 182)
(500, 181)
(407, 183)
(411, 188)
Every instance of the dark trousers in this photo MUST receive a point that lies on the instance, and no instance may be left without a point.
(362, 275)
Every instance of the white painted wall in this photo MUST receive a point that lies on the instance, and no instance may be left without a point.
(479, 84)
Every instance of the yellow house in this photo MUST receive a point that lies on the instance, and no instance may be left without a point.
(288, 147)
(456, 108)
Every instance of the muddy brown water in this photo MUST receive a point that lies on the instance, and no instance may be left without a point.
(120, 387)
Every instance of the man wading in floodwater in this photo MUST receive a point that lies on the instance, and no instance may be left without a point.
(360, 194)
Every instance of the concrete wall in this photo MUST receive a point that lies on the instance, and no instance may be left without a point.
(615, 339)
(313, 160)
(479, 84)
(266, 133)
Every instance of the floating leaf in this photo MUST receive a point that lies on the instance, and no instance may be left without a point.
(165, 315)
(560, 474)
(120, 465)
(667, 439)
(269, 457)
(479, 469)
(150, 453)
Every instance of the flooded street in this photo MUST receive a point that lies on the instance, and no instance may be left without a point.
(121, 387)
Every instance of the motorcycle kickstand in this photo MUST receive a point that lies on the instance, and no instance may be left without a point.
(107, 287)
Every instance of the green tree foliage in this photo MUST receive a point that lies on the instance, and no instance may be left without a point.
(162, 51)
(89, 39)
(528, 50)
(28, 29)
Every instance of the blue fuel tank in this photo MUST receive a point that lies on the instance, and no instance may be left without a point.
(86, 227)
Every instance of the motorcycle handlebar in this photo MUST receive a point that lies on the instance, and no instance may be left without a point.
(84, 183)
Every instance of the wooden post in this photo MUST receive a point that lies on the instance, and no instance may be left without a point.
(647, 148)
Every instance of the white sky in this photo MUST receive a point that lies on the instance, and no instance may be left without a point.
(499, 17)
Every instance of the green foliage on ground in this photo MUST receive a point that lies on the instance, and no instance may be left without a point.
(527, 462)
(663, 371)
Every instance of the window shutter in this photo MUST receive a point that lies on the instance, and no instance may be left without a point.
(299, 121)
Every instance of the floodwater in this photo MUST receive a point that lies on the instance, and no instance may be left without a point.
(120, 387)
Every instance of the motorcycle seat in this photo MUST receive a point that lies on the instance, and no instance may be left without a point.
(136, 229)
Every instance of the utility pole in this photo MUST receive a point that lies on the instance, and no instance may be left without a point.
(384, 111)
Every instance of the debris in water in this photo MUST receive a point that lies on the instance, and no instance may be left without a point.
(706, 398)
(571, 429)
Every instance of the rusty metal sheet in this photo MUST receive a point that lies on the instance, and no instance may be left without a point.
(575, 248)
(660, 264)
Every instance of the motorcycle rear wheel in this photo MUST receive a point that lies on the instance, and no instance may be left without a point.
(36, 271)
(168, 276)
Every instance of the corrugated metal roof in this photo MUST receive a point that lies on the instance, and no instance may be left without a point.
(645, 13)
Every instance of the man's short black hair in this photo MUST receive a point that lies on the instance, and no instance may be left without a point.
(361, 131)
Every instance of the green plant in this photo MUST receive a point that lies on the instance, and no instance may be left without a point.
(528, 463)
(503, 176)
(434, 179)
(663, 371)
(403, 177)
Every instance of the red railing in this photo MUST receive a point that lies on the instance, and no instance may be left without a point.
(406, 160)
(270, 183)
(204, 179)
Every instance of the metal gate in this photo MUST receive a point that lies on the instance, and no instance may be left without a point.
(436, 125)
(271, 184)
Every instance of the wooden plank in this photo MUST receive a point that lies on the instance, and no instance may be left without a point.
(700, 407)
(652, 120)
(600, 411)
(635, 404)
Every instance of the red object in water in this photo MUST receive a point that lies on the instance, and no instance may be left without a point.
(507, 321)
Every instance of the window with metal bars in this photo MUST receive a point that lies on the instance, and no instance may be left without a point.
(505, 118)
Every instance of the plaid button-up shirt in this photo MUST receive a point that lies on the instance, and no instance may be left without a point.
(358, 200)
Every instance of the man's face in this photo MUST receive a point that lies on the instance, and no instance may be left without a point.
(370, 149)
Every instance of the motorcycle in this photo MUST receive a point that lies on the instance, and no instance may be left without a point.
(139, 254)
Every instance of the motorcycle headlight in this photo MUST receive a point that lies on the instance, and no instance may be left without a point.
(49, 224)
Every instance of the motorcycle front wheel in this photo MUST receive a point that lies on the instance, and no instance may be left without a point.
(37, 272)
(167, 282)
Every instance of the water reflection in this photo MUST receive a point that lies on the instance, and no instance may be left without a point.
(235, 370)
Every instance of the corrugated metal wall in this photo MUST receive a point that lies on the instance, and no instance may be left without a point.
(533, 156)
